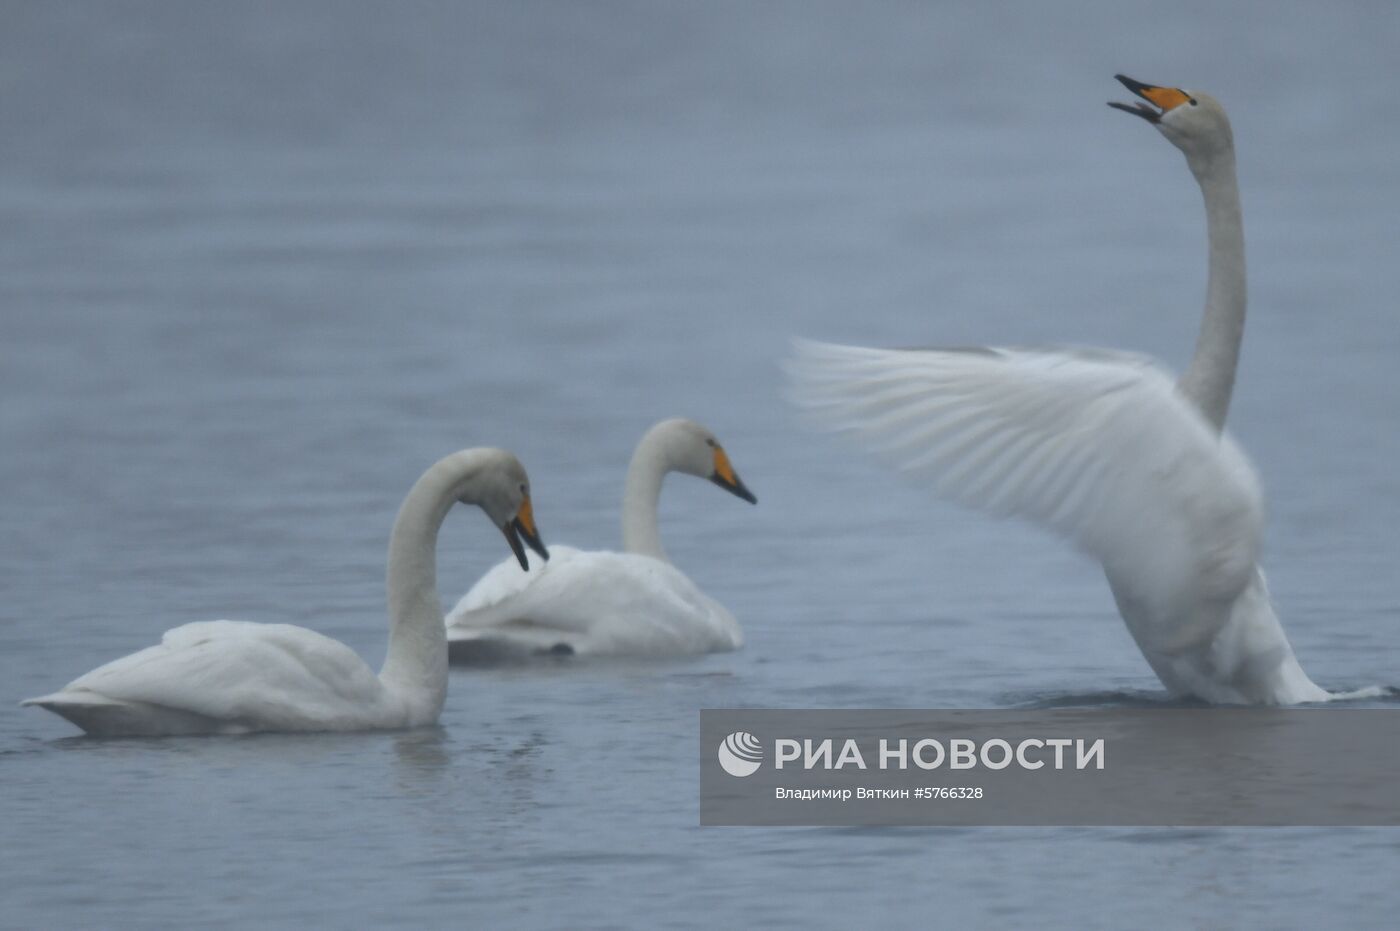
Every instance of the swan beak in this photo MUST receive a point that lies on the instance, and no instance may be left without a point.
(1161, 98)
(522, 526)
(725, 477)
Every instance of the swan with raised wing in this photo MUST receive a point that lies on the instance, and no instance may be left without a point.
(1104, 448)
(600, 602)
(237, 677)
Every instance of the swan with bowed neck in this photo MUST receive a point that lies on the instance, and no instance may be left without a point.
(632, 603)
(1103, 448)
(236, 677)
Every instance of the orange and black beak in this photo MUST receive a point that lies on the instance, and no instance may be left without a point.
(725, 477)
(522, 526)
(1161, 99)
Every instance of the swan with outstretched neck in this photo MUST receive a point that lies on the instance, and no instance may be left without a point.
(605, 603)
(1105, 449)
(237, 677)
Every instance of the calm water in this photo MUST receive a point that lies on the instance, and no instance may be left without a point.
(261, 264)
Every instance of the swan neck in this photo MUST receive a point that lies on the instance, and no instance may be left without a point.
(417, 657)
(640, 496)
(1210, 379)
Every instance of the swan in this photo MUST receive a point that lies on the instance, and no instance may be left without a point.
(632, 603)
(237, 677)
(1103, 448)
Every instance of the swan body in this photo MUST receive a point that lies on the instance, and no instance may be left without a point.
(1105, 449)
(235, 677)
(604, 603)
(598, 603)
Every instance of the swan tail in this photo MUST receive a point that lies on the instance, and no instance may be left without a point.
(80, 708)
(93, 713)
(58, 700)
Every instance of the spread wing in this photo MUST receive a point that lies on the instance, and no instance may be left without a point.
(1097, 446)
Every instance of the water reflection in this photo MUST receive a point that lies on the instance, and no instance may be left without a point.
(420, 758)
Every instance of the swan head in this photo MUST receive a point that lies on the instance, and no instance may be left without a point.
(1192, 121)
(692, 449)
(502, 490)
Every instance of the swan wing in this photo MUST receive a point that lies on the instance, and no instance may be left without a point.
(1098, 446)
(608, 603)
(262, 675)
(506, 578)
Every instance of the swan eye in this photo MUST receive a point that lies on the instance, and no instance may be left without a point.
(711, 443)
(1191, 100)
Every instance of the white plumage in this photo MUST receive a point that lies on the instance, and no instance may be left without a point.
(605, 603)
(227, 677)
(596, 603)
(1104, 449)
(234, 677)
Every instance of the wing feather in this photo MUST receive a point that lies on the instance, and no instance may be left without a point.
(602, 602)
(239, 671)
(1095, 445)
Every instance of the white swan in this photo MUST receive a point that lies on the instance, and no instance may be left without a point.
(235, 677)
(633, 603)
(1103, 448)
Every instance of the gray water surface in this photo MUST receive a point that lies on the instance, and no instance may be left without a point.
(260, 264)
